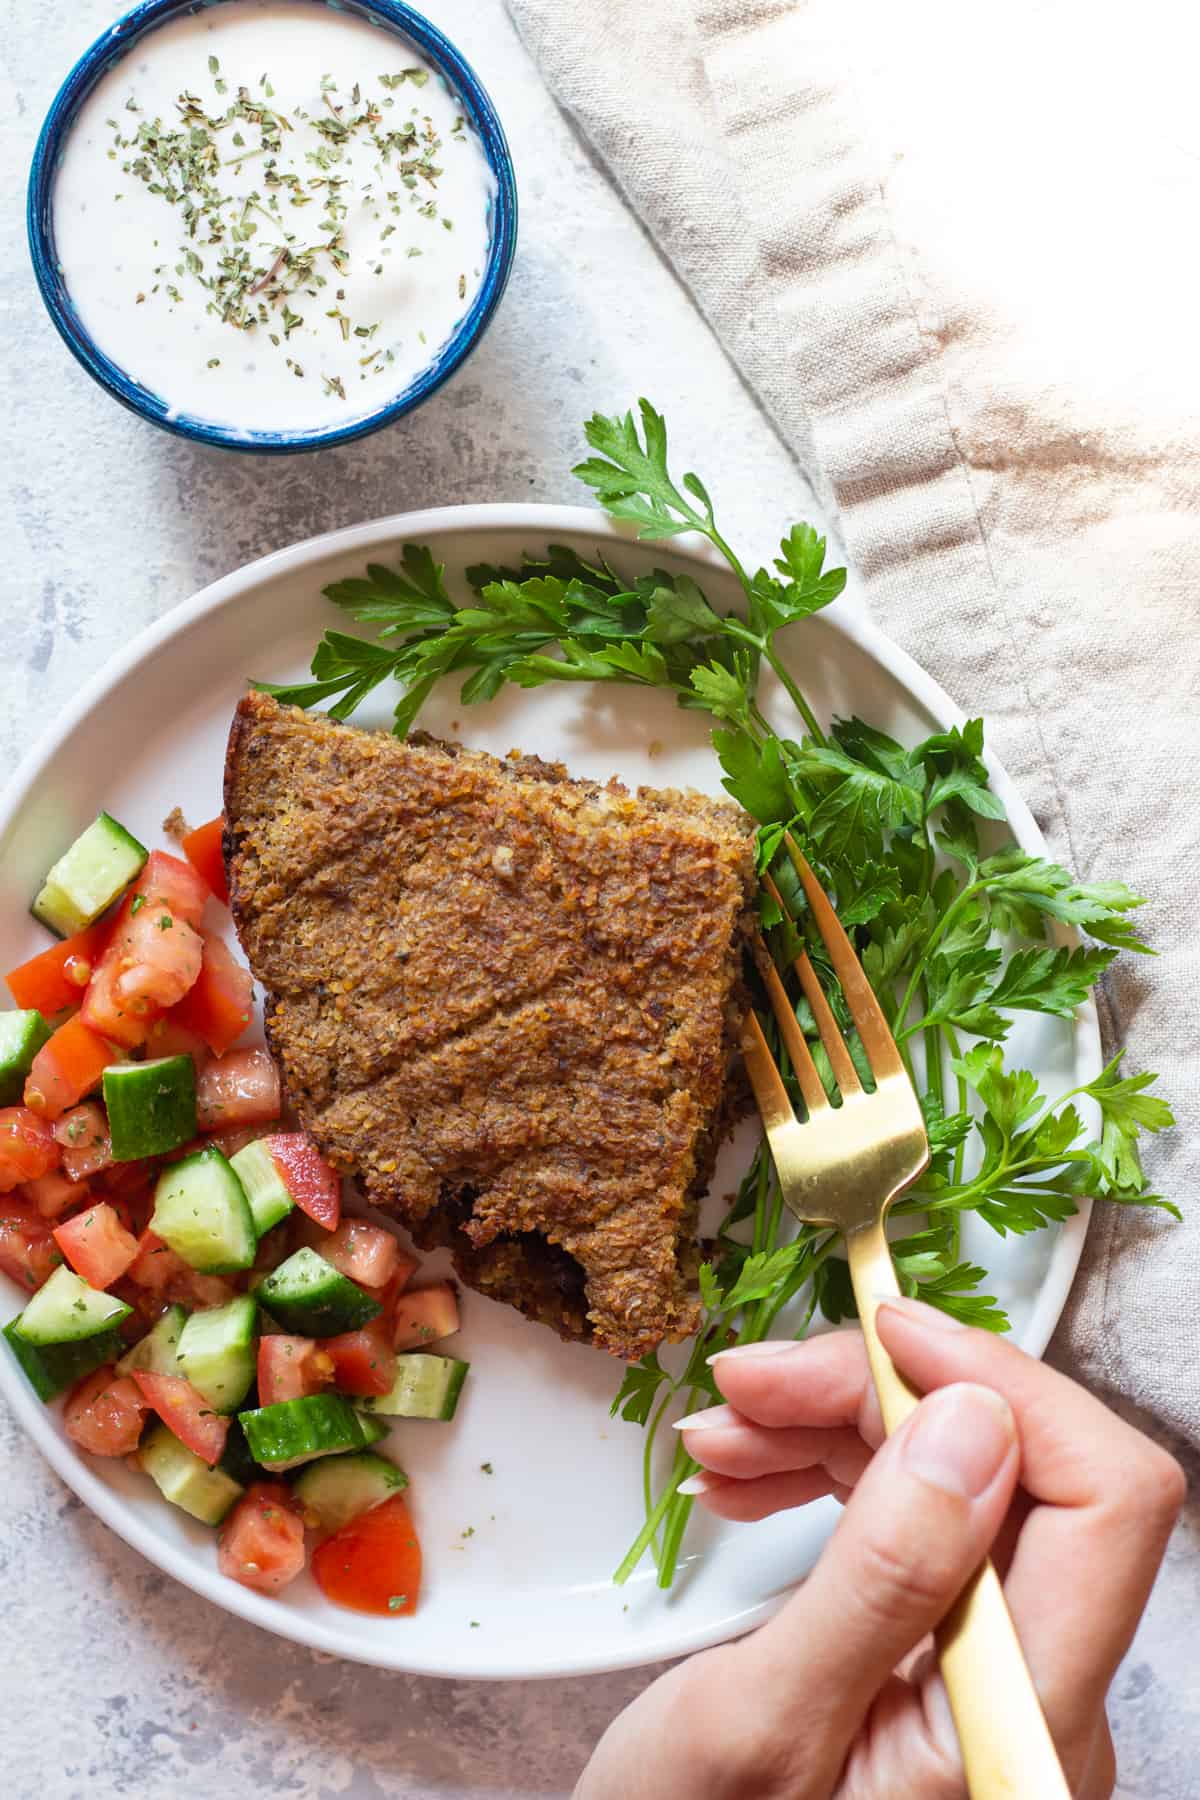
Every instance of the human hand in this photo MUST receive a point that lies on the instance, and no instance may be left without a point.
(827, 1699)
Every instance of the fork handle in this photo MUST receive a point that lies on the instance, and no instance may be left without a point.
(1007, 1750)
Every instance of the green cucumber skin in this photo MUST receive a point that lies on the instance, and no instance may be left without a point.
(51, 1368)
(151, 1106)
(22, 1035)
(340, 1488)
(65, 1310)
(413, 1373)
(105, 839)
(295, 1431)
(308, 1296)
(176, 1216)
(186, 1482)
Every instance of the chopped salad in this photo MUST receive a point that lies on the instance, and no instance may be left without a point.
(194, 1294)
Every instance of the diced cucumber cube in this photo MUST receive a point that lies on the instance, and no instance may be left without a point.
(22, 1035)
(158, 1352)
(180, 1476)
(100, 864)
(309, 1296)
(151, 1106)
(218, 1351)
(296, 1431)
(426, 1387)
(201, 1212)
(52, 1367)
(269, 1199)
(66, 1309)
(341, 1487)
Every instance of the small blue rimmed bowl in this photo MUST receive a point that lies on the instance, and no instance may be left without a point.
(460, 78)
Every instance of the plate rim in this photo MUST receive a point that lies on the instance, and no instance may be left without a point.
(547, 522)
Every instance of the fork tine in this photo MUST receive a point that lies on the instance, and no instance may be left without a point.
(864, 1008)
(811, 1085)
(765, 1079)
(845, 1074)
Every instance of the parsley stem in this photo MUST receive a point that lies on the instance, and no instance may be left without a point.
(648, 1455)
(933, 1055)
(960, 1148)
(795, 696)
(679, 1472)
(677, 1522)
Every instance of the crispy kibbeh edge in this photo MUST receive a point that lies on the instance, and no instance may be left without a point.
(505, 1000)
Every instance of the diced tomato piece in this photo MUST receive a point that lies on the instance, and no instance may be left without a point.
(289, 1368)
(27, 1147)
(28, 1251)
(273, 1248)
(168, 1036)
(124, 1214)
(217, 1006)
(155, 1266)
(103, 1413)
(68, 1066)
(313, 1183)
(364, 1361)
(166, 880)
(373, 1564)
(194, 1289)
(262, 1540)
(241, 1088)
(388, 1295)
(147, 964)
(97, 1245)
(83, 1137)
(148, 1308)
(187, 1413)
(151, 961)
(203, 850)
(55, 1194)
(158, 1270)
(423, 1315)
(57, 977)
(362, 1252)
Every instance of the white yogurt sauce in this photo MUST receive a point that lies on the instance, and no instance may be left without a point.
(347, 254)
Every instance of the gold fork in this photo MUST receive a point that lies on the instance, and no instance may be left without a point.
(843, 1167)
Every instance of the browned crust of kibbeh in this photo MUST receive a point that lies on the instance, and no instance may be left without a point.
(506, 1000)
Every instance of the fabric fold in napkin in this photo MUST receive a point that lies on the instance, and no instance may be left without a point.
(956, 264)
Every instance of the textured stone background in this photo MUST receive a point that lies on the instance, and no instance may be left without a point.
(116, 1682)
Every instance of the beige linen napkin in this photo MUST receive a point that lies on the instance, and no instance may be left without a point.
(953, 252)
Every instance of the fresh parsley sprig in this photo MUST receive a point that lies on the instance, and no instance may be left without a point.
(959, 929)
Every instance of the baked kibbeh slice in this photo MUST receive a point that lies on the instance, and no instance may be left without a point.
(505, 1000)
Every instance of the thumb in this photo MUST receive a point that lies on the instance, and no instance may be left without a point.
(918, 1524)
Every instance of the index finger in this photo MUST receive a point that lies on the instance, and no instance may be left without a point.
(823, 1382)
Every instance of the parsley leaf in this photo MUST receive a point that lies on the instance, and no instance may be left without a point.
(639, 1386)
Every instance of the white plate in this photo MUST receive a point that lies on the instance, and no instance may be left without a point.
(518, 1561)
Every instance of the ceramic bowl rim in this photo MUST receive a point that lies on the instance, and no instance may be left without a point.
(116, 42)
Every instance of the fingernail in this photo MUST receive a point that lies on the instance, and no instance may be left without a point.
(919, 1312)
(960, 1438)
(766, 1347)
(699, 1484)
(703, 1421)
